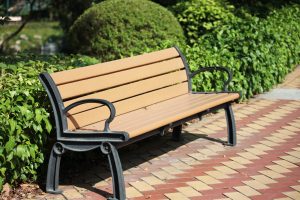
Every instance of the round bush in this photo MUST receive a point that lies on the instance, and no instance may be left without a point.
(118, 28)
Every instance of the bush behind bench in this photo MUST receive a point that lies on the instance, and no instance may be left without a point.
(24, 123)
(259, 51)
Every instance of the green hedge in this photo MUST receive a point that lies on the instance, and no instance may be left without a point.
(120, 28)
(198, 17)
(260, 51)
(24, 119)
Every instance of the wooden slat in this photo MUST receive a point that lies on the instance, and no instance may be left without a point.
(92, 116)
(112, 66)
(130, 90)
(111, 80)
(164, 113)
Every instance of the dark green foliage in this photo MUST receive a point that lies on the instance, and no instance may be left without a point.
(198, 17)
(259, 51)
(24, 121)
(116, 28)
(166, 3)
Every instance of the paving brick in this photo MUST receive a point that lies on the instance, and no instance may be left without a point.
(225, 170)
(207, 152)
(281, 136)
(233, 165)
(262, 123)
(213, 127)
(244, 133)
(256, 126)
(297, 125)
(172, 170)
(208, 180)
(294, 153)
(291, 159)
(215, 147)
(273, 116)
(278, 168)
(286, 132)
(250, 130)
(152, 180)
(248, 155)
(263, 179)
(247, 191)
(199, 156)
(72, 194)
(176, 196)
(296, 187)
(269, 143)
(241, 160)
(274, 139)
(190, 161)
(285, 164)
(181, 165)
(240, 115)
(199, 186)
(256, 151)
(271, 174)
(217, 174)
(262, 147)
(163, 175)
(141, 186)
(236, 196)
(188, 191)
(55, 197)
(291, 128)
(256, 184)
(293, 194)
(266, 119)
(101, 184)
(296, 148)
(131, 192)
(207, 131)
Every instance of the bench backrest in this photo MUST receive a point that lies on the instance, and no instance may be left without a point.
(130, 84)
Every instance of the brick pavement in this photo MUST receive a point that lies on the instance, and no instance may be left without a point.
(264, 164)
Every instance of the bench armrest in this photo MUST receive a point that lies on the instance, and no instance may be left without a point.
(99, 101)
(217, 68)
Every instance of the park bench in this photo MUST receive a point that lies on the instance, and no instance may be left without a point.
(123, 101)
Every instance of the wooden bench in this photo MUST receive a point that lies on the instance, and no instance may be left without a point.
(122, 101)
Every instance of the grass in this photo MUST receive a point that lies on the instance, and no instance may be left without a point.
(32, 37)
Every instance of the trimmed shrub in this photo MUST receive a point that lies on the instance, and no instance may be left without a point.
(198, 17)
(116, 28)
(260, 52)
(24, 117)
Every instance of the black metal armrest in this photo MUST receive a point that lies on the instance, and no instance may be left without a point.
(99, 101)
(216, 68)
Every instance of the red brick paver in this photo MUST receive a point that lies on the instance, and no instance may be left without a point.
(265, 164)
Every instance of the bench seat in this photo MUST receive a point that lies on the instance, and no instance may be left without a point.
(112, 104)
(162, 114)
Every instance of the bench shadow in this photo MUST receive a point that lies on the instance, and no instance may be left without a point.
(94, 166)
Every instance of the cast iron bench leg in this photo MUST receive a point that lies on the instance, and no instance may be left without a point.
(176, 135)
(53, 169)
(230, 126)
(116, 171)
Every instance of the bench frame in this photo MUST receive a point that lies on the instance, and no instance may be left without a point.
(108, 141)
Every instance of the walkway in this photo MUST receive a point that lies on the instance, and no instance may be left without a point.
(264, 165)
